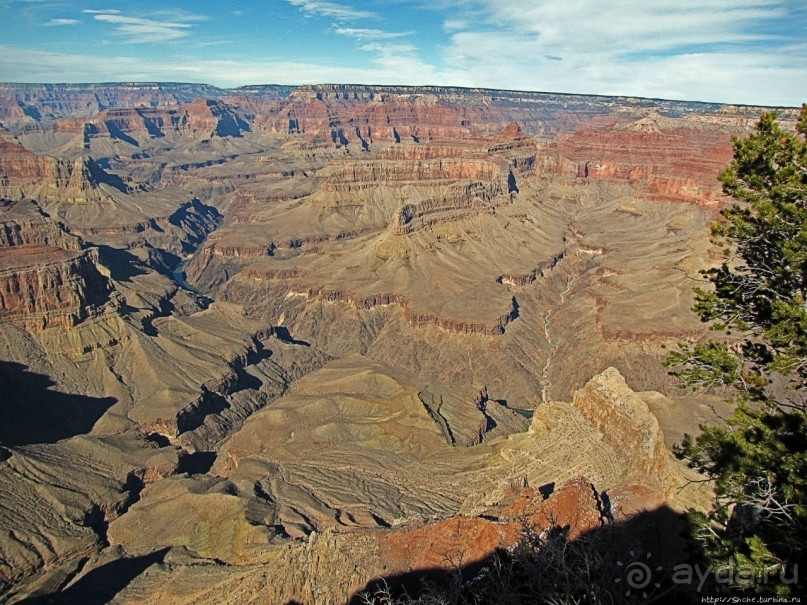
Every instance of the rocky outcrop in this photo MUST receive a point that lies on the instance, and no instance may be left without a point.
(525, 279)
(455, 326)
(459, 202)
(51, 101)
(626, 422)
(47, 277)
(14, 112)
(25, 174)
(671, 159)
(200, 118)
(45, 288)
(23, 224)
(414, 318)
(393, 171)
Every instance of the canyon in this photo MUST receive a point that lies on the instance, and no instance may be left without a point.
(274, 343)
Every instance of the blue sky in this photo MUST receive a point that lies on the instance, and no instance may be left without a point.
(732, 51)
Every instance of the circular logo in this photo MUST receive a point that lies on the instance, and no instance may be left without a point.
(637, 575)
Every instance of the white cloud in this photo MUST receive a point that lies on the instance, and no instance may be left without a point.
(715, 50)
(140, 30)
(331, 10)
(161, 26)
(453, 25)
(390, 55)
(56, 22)
(725, 77)
(25, 65)
(363, 33)
(733, 51)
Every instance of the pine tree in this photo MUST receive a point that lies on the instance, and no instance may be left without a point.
(758, 462)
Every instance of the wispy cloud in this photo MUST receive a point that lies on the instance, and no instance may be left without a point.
(56, 22)
(734, 51)
(32, 11)
(389, 53)
(25, 65)
(627, 47)
(392, 59)
(161, 26)
(452, 25)
(629, 26)
(331, 10)
(401, 59)
(363, 33)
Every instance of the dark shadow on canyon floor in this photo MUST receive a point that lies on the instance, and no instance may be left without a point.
(122, 264)
(100, 585)
(31, 412)
(196, 463)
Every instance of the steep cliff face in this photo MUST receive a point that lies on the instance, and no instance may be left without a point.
(337, 116)
(451, 173)
(51, 101)
(25, 174)
(25, 225)
(47, 277)
(671, 159)
(413, 318)
(200, 118)
(14, 112)
(400, 299)
(45, 288)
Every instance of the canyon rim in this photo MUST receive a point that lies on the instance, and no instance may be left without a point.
(272, 344)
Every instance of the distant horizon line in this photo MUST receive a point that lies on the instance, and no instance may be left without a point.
(168, 83)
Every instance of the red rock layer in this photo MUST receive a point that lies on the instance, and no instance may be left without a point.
(414, 318)
(47, 278)
(461, 541)
(25, 174)
(202, 117)
(336, 116)
(672, 161)
(476, 171)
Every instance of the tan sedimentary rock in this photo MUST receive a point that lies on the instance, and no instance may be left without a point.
(401, 277)
(625, 421)
(56, 499)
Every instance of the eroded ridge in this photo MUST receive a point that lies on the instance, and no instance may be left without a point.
(267, 344)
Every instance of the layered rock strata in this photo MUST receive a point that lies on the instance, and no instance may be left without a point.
(397, 300)
(673, 159)
(47, 277)
(25, 174)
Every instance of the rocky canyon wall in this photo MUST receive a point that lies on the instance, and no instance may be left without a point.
(272, 343)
